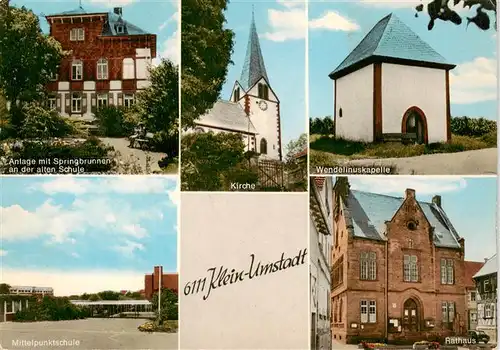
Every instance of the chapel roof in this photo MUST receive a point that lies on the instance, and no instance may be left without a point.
(368, 212)
(113, 21)
(390, 40)
(490, 267)
(229, 116)
(253, 66)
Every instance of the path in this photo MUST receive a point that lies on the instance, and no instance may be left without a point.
(83, 335)
(477, 162)
(137, 155)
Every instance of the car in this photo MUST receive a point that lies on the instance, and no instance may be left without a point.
(479, 336)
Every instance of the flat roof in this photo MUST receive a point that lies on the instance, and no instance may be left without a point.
(111, 302)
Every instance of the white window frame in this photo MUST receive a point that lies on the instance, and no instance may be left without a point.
(368, 311)
(76, 101)
(447, 271)
(52, 102)
(410, 268)
(128, 63)
(368, 268)
(102, 100)
(78, 74)
(102, 69)
(120, 29)
(128, 100)
(77, 34)
(488, 310)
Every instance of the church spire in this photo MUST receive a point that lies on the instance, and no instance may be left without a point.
(253, 67)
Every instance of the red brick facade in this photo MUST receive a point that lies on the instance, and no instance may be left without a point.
(152, 281)
(415, 308)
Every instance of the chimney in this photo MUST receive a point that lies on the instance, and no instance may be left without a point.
(437, 200)
(410, 193)
(118, 11)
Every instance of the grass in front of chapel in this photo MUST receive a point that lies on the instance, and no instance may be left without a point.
(326, 150)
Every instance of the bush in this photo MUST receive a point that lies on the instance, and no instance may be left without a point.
(490, 138)
(167, 326)
(88, 150)
(114, 122)
(476, 127)
(322, 126)
(167, 142)
(39, 123)
(51, 309)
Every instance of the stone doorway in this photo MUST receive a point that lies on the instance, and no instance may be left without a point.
(411, 316)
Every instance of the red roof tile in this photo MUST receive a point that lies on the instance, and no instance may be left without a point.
(471, 268)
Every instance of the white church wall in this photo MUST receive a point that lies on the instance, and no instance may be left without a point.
(264, 121)
(255, 91)
(407, 86)
(355, 97)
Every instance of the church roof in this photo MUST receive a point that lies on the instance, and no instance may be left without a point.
(367, 213)
(489, 267)
(253, 67)
(113, 20)
(229, 116)
(390, 40)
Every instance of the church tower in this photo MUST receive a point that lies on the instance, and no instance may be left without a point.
(254, 93)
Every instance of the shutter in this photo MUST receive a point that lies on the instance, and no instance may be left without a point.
(120, 99)
(93, 102)
(58, 103)
(84, 103)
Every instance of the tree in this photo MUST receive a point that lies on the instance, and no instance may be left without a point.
(206, 54)
(440, 9)
(27, 58)
(169, 305)
(210, 162)
(93, 297)
(109, 295)
(4, 288)
(294, 147)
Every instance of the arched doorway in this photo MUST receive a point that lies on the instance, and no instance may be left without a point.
(414, 122)
(411, 316)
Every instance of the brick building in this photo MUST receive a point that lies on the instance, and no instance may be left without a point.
(471, 268)
(157, 278)
(398, 268)
(106, 63)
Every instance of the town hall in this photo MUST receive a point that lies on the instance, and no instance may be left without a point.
(253, 109)
(393, 82)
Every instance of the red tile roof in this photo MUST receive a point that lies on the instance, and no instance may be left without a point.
(319, 181)
(471, 268)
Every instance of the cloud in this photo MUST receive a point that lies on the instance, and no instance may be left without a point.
(287, 24)
(292, 3)
(474, 81)
(397, 4)
(3, 252)
(334, 21)
(174, 18)
(63, 225)
(171, 49)
(397, 185)
(67, 283)
(128, 248)
(113, 3)
(108, 185)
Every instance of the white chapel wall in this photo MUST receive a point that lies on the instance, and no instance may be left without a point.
(355, 97)
(407, 86)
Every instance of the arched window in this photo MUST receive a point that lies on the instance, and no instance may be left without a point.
(263, 146)
(340, 311)
(102, 69)
(236, 94)
(128, 68)
(263, 91)
(77, 70)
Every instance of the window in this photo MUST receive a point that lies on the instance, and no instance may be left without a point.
(128, 68)
(473, 316)
(102, 69)
(120, 29)
(410, 268)
(368, 268)
(77, 34)
(486, 286)
(448, 310)
(410, 243)
(327, 201)
(340, 112)
(77, 70)
(338, 272)
(76, 103)
(472, 296)
(128, 100)
(52, 102)
(447, 275)
(236, 94)
(263, 91)
(102, 100)
(368, 311)
(340, 310)
(412, 225)
(489, 310)
(263, 146)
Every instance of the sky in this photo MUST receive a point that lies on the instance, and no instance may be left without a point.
(335, 29)
(87, 234)
(469, 202)
(283, 48)
(156, 17)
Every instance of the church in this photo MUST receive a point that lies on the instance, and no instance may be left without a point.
(398, 270)
(253, 109)
(393, 82)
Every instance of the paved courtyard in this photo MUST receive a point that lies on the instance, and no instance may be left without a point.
(83, 335)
